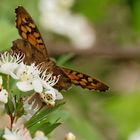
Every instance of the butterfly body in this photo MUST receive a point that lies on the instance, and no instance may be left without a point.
(32, 45)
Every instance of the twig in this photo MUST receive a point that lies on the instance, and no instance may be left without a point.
(105, 52)
(9, 102)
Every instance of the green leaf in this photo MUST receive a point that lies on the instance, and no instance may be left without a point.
(45, 120)
(125, 113)
(64, 58)
(41, 115)
(46, 127)
(1, 134)
(84, 128)
(8, 35)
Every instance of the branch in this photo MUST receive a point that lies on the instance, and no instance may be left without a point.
(56, 49)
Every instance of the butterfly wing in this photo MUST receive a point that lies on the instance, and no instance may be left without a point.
(29, 31)
(85, 81)
(32, 55)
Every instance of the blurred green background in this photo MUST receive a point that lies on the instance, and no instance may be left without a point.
(115, 114)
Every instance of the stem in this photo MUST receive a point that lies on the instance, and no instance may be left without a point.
(8, 87)
(9, 101)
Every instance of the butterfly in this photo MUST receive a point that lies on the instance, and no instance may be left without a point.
(33, 46)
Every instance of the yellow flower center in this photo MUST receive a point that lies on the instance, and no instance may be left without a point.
(24, 76)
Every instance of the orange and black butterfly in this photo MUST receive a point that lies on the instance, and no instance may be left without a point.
(32, 45)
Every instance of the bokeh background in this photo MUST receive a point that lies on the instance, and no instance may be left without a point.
(97, 37)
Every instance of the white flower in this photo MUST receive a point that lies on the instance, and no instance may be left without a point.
(29, 110)
(29, 78)
(17, 134)
(39, 135)
(81, 34)
(4, 96)
(9, 62)
(70, 136)
(48, 80)
(3, 92)
(49, 95)
(22, 133)
(57, 17)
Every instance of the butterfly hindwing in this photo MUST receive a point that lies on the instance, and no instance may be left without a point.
(32, 55)
(64, 81)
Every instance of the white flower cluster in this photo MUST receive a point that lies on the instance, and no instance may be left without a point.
(22, 133)
(57, 17)
(18, 131)
(28, 78)
(3, 92)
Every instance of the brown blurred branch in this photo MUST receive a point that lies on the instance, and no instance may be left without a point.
(106, 52)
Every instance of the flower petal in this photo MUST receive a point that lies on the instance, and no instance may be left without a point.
(20, 133)
(4, 96)
(37, 86)
(14, 76)
(70, 136)
(7, 68)
(24, 86)
(39, 135)
(59, 96)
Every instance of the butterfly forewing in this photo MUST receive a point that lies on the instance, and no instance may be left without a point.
(29, 31)
(85, 81)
